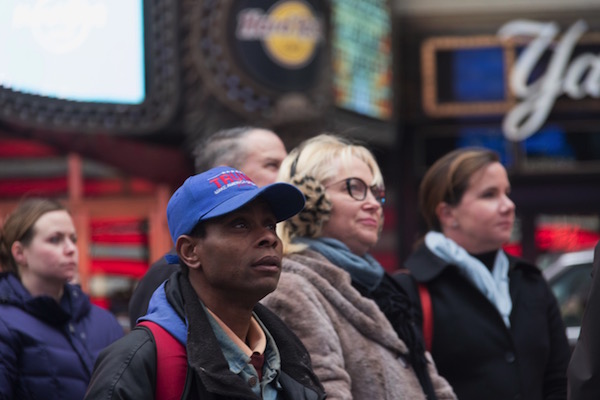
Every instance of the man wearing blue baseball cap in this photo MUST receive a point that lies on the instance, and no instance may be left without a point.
(223, 227)
(255, 151)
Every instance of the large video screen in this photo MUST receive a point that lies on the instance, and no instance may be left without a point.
(78, 50)
(362, 58)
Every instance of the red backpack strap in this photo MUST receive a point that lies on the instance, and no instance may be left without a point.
(171, 363)
(427, 315)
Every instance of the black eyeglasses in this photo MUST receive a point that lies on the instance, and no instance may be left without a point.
(357, 189)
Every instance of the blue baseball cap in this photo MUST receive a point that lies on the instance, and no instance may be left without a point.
(222, 190)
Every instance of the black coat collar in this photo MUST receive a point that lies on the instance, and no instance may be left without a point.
(425, 266)
(208, 362)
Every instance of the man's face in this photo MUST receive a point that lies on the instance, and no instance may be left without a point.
(240, 256)
(265, 153)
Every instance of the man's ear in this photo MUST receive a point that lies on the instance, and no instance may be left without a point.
(18, 252)
(445, 214)
(186, 250)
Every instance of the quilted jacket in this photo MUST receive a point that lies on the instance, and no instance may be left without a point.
(47, 349)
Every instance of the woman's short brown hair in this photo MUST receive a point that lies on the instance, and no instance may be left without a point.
(448, 179)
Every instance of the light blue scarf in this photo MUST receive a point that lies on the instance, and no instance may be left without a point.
(493, 285)
(364, 270)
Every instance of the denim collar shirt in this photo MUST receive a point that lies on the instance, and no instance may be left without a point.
(237, 354)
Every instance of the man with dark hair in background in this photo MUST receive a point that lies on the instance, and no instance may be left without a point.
(255, 151)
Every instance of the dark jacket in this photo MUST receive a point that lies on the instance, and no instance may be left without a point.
(47, 349)
(584, 368)
(397, 306)
(152, 279)
(473, 348)
(127, 369)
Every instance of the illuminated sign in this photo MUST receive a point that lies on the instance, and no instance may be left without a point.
(580, 77)
(66, 49)
(362, 60)
(264, 59)
(537, 69)
(289, 31)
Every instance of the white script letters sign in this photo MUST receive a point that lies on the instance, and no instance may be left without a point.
(575, 78)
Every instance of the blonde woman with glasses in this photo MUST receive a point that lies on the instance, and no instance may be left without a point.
(353, 319)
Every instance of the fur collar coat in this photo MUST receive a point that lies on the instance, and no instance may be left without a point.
(355, 351)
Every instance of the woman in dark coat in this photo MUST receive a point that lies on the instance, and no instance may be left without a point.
(50, 333)
(497, 331)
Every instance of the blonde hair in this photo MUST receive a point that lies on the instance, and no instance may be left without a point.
(309, 166)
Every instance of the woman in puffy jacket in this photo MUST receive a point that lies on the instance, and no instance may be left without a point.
(50, 333)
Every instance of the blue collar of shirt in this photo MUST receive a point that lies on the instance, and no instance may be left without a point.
(239, 362)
